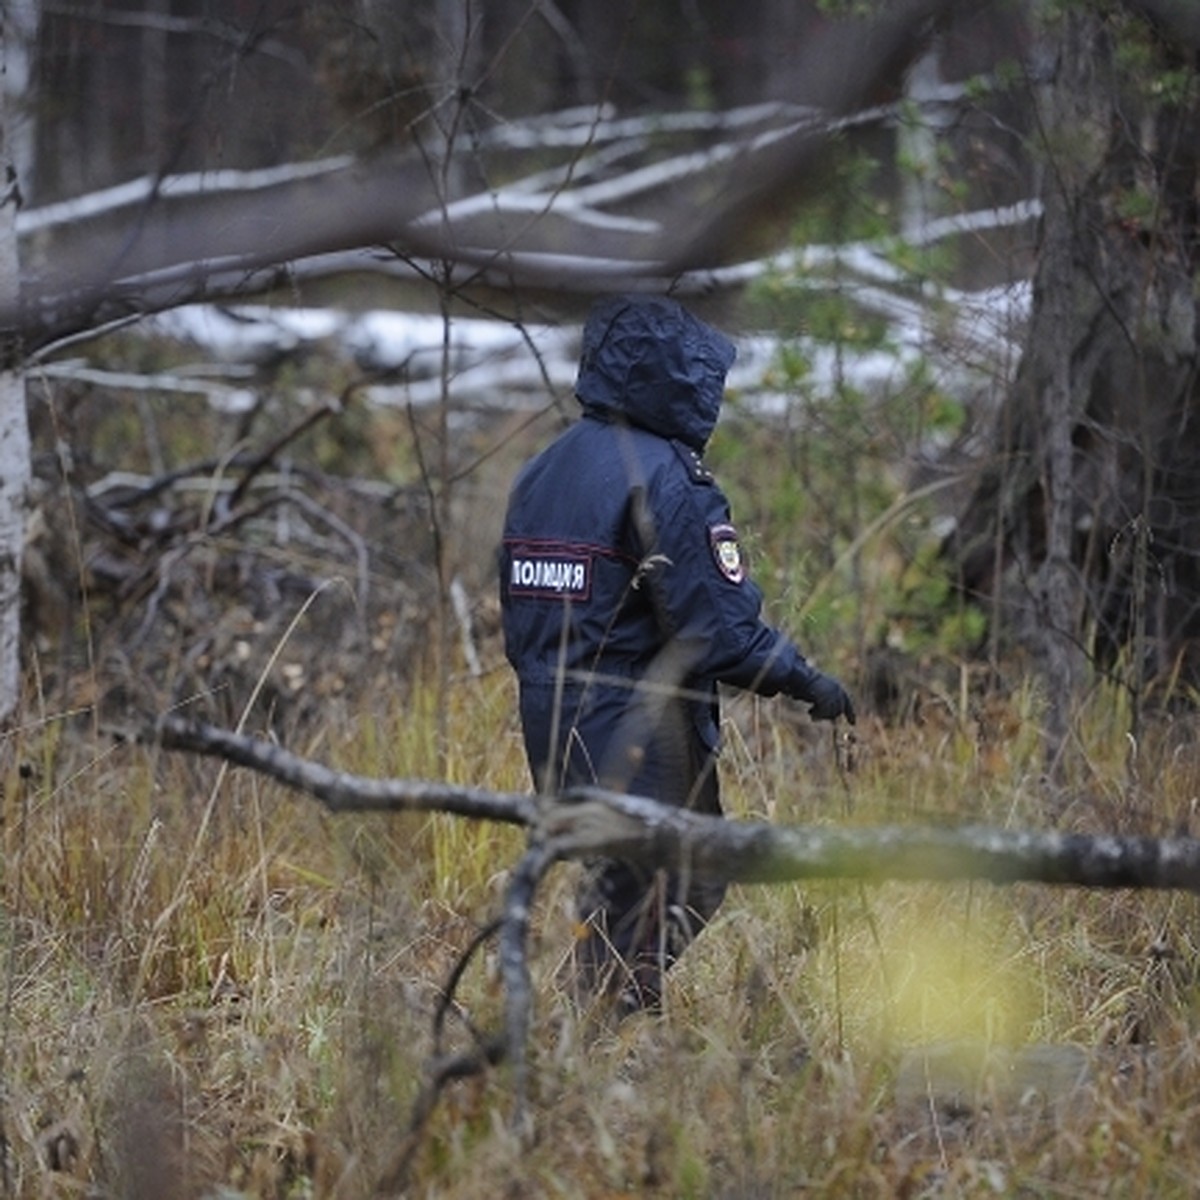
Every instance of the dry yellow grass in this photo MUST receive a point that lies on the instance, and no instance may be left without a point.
(213, 988)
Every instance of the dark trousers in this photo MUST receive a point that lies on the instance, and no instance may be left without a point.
(639, 920)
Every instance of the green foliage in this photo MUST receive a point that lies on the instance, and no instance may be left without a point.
(848, 207)
(923, 612)
(1006, 75)
(935, 260)
(1149, 67)
(1138, 205)
(698, 85)
(823, 484)
(1175, 87)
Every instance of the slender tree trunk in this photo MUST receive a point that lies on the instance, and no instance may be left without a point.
(14, 429)
(1073, 101)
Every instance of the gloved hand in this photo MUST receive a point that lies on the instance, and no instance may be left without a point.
(828, 699)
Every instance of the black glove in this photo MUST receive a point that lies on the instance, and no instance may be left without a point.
(829, 700)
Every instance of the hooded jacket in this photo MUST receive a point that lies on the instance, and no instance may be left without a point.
(623, 586)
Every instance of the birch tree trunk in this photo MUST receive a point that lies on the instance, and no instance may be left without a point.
(14, 429)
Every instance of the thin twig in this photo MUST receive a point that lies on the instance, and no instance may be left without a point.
(265, 457)
(446, 1002)
(439, 1073)
(514, 969)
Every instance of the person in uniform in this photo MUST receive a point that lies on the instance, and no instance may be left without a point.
(626, 601)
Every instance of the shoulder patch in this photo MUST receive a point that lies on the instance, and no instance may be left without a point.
(549, 570)
(727, 552)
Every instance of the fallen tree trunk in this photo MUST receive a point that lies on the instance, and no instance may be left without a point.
(590, 822)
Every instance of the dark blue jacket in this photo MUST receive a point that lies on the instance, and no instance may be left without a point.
(620, 565)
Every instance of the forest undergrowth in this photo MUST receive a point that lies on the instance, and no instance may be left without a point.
(214, 988)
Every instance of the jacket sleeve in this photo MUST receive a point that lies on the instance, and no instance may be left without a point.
(703, 595)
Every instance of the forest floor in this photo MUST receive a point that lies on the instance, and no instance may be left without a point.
(216, 988)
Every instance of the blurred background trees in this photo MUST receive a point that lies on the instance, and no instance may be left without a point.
(957, 243)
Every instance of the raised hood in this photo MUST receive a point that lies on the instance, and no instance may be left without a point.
(648, 360)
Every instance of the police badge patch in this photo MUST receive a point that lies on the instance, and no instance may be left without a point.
(727, 552)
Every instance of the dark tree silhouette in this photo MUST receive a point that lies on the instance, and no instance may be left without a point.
(1084, 530)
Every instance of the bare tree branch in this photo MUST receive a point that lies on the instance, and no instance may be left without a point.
(157, 251)
(155, 244)
(633, 828)
(338, 791)
(267, 456)
(590, 822)
(839, 70)
(514, 967)
(160, 243)
(439, 1073)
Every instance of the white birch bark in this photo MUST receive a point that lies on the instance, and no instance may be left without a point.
(14, 428)
(917, 140)
(19, 21)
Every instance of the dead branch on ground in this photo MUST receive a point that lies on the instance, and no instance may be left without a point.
(588, 822)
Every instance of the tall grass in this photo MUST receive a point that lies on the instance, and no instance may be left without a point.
(212, 984)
